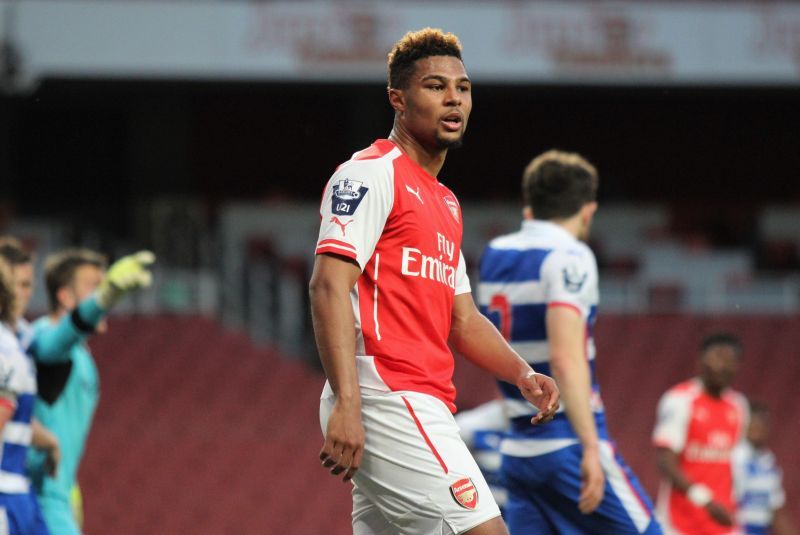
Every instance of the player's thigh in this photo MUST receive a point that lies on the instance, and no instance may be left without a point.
(532, 499)
(367, 516)
(417, 470)
(626, 508)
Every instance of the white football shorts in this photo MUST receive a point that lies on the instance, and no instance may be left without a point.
(417, 476)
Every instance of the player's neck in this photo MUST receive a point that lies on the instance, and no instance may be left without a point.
(57, 315)
(571, 225)
(713, 391)
(431, 160)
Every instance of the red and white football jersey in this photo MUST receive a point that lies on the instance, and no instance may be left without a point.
(404, 229)
(703, 431)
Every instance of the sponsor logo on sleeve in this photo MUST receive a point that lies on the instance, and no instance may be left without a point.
(464, 493)
(574, 278)
(347, 195)
(339, 222)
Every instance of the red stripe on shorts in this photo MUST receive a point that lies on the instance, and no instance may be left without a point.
(425, 435)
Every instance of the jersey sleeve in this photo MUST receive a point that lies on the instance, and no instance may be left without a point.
(777, 497)
(8, 396)
(355, 206)
(462, 280)
(672, 422)
(53, 342)
(569, 278)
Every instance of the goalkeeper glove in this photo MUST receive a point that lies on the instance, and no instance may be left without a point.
(127, 274)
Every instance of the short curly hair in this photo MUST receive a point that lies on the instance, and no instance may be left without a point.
(417, 45)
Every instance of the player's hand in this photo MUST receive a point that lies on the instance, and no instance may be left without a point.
(53, 459)
(719, 513)
(542, 392)
(344, 440)
(127, 274)
(593, 481)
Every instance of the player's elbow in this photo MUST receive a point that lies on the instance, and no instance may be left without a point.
(561, 364)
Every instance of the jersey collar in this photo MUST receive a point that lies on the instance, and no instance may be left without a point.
(539, 226)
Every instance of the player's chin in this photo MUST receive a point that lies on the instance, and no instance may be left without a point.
(450, 140)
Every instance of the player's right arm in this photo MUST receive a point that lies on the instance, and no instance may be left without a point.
(565, 334)
(8, 398)
(355, 207)
(669, 437)
(52, 343)
(334, 329)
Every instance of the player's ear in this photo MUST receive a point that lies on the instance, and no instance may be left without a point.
(65, 298)
(589, 210)
(527, 213)
(397, 99)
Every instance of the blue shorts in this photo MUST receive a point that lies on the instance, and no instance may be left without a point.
(543, 496)
(20, 515)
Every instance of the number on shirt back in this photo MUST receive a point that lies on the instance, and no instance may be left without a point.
(500, 305)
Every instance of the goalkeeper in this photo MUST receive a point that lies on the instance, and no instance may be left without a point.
(80, 292)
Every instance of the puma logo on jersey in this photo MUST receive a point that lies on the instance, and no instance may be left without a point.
(342, 226)
(415, 193)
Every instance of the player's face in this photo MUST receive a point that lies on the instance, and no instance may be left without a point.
(23, 287)
(84, 282)
(437, 102)
(758, 430)
(719, 365)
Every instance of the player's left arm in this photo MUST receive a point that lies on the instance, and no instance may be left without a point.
(475, 337)
(782, 523)
(565, 334)
(44, 439)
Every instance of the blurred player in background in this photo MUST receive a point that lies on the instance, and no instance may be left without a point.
(482, 429)
(80, 295)
(699, 423)
(388, 292)
(20, 263)
(540, 287)
(19, 510)
(759, 480)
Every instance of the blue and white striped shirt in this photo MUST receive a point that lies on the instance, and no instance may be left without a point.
(17, 379)
(521, 275)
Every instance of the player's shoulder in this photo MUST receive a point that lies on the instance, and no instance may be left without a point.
(358, 172)
(736, 398)
(41, 324)
(685, 390)
(512, 240)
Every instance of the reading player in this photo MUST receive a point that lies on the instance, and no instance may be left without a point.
(540, 286)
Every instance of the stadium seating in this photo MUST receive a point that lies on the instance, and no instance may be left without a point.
(198, 431)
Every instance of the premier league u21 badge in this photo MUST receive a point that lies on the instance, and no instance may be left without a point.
(347, 195)
(464, 493)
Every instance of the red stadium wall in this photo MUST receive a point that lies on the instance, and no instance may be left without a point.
(200, 432)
